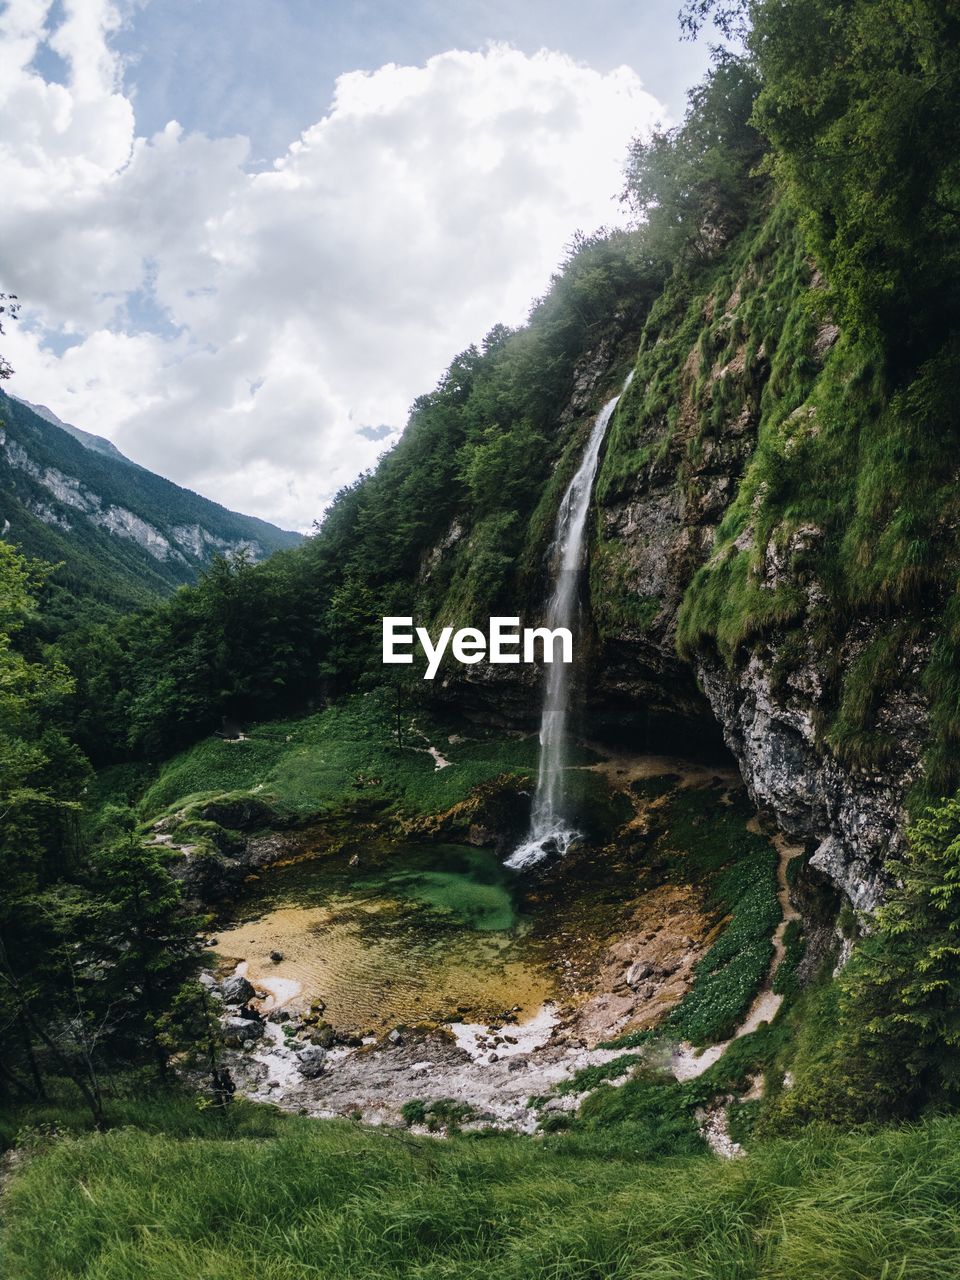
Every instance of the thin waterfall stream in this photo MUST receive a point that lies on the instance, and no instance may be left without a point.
(552, 827)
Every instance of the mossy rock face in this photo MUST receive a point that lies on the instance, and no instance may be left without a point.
(197, 830)
(243, 813)
(495, 814)
(601, 810)
(209, 877)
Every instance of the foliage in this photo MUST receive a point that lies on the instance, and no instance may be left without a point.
(369, 1202)
(696, 186)
(342, 758)
(859, 102)
(9, 306)
(92, 947)
(785, 978)
(590, 1077)
(738, 872)
(897, 1028)
(442, 1115)
(99, 572)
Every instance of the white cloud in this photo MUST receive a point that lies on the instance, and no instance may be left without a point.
(241, 331)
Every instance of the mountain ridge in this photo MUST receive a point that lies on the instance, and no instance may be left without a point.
(119, 534)
(98, 444)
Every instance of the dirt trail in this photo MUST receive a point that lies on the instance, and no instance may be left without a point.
(621, 769)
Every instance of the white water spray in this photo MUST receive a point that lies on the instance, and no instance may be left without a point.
(551, 829)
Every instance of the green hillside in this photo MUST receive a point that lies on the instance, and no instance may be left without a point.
(730, 1043)
(121, 535)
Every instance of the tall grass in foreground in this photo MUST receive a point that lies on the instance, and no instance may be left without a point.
(329, 1198)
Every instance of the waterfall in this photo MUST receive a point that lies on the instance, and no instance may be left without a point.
(551, 829)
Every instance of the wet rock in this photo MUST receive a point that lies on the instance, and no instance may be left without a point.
(395, 1037)
(237, 990)
(278, 1015)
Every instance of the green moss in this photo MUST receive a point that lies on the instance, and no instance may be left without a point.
(343, 757)
(705, 842)
(785, 978)
(590, 1077)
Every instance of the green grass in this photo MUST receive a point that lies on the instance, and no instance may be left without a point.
(785, 979)
(345, 756)
(706, 843)
(307, 1198)
(590, 1077)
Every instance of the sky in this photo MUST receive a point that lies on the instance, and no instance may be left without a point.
(246, 234)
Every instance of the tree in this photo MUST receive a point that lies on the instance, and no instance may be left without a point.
(897, 1044)
(861, 103)
(41, 781)
(145, 942)
(9, 307)
(695, 186)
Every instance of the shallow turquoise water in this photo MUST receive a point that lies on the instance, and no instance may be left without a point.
(467, 886)
(409, 932)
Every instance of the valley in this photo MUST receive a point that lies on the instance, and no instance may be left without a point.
(638, 965)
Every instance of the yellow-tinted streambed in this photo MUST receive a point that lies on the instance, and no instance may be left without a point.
(401, 934)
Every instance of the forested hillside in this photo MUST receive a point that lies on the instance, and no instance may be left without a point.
(774, 563)
(120, 535)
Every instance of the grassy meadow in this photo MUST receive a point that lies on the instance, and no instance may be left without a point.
(178, 1196)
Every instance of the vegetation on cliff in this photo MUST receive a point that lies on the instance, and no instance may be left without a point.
(789, 303)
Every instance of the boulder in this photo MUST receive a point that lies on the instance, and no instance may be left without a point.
(242, 814)
(636, 973)
(312, 1061)
(237, 990)
(324, 1036)
(238, 1031)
